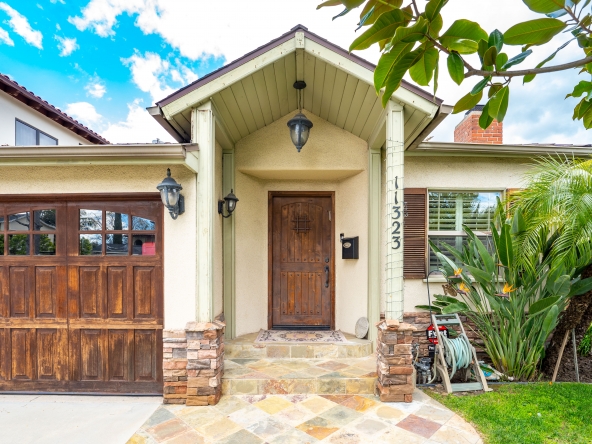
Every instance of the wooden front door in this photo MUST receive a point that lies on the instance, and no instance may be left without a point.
(301, 234)
(81, 297)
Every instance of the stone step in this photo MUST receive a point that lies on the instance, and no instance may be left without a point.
(244, 347)
(253, 376)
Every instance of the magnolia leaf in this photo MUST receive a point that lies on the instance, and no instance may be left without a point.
(456, 68)
(387, 61)
(498, 105)
(423, 70)
(351, 4)
(412, 33)
(330, 3)
(365, 18)
(544, 6)
(485, 120)
(465, 29)
(342, 13)
(581, 88)
(529, 77)
(542, 304)
(436, 25)
(490, 56)
(433, 8)
(496, 40)
(383, 28)
(467, 102)
(517, 59)
(587, 118)
(436, 74)
(462, 46)
(480, 86)
(533, 32)
(395, 76)
(501, 60)
(494, 89)
(581, 109)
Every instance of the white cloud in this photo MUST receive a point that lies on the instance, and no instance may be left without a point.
(66, 46)
(139, 127)
(149, 74)
(5, 38)
(84, 112)
(58, 1)
(95, 88)
(21, 26)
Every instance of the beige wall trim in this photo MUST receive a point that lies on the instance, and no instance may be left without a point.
(374, 247)
(203, 133)
(468, 149)
(228, 239)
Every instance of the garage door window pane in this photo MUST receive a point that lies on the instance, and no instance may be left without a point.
(116, 221)
(19, 221)
(91, 244)
(18, 244)
(142, 224)
(44, 220)
(1, 245)
(144, 245)
(91, 220)
(117, 244)
(44, 244)
(1, 223)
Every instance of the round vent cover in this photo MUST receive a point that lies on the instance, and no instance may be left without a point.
(361, 328)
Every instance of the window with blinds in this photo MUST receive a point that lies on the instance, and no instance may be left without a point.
(450, 210)
(26, 135)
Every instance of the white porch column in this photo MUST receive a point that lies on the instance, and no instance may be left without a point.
(394, 210)
(203, 133)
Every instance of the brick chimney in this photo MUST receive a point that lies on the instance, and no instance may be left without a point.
(468, 130)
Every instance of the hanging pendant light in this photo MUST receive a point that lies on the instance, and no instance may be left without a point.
(299, 125)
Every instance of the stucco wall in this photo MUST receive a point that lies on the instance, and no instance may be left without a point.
(11, 109)
(180, 234)
(330, 152)
(458, 173)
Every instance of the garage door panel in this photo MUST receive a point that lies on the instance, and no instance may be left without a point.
(145, 355)
(4, 354)
(92, 355)
(4, 293)
(145, 292)
(19, 292)
(116, 291)
(22, 353)
(52, 358)
(90, 292)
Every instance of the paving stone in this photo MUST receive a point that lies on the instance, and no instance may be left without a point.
(160, 415)
(273, 404)
(242, 436)
(318, 427)
(358, 403)
(268, 428)
(420, 426)
(168, 429)
(340, 415)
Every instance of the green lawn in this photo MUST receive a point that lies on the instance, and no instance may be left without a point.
(533, 413)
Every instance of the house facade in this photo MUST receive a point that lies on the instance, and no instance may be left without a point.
(125, 280)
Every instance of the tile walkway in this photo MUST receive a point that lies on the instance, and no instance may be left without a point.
(304, 418)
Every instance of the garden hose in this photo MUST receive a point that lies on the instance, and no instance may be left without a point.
(457, 352)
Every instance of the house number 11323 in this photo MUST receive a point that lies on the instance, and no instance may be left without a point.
(396, 224)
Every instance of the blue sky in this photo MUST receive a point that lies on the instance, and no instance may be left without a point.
(104, 61)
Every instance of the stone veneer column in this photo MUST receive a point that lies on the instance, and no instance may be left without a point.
(205, 362)
(396, 375)
(193, 363)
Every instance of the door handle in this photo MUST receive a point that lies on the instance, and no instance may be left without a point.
(327, 276)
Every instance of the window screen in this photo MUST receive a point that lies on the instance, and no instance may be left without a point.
(450, 210)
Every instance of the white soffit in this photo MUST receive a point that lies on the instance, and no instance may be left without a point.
(260, 91)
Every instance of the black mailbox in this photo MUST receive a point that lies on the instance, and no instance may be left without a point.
(349, 247)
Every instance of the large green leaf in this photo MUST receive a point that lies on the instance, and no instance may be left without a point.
(456, 68)
(530, 77)
(485, 119)
(543, 304)
(504, 246)
(330, 3)
(581, 287)
(544, 6)
(550, 319)
(583, 87)
(516, 59)
(459, 307)
(383, 28)
(498, 105)
(436, 310)
(480, 276)
(518, 222)
(412, 33)
(433, 8)
(533, 32)
(561, 286)
(467, 102)
(480, 86)
(496, 40)
(423, 70)
(464, 29)
(395, 76)
(462, 46)
(501, 60)
(490, 56)
(387, 61)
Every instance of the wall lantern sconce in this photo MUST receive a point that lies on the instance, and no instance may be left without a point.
(299, 125)
(230, 200)
(170, 193)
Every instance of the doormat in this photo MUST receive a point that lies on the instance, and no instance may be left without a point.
(328, 336)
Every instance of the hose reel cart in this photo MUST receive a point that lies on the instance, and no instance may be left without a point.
(457, 354)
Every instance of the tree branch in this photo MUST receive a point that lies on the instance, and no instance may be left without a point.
(415, 7)
(524, 72)
(445, 50)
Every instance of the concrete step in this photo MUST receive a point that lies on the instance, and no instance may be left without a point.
(253, 376)
(244, 347)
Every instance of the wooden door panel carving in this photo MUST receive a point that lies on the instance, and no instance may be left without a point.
(301, 260)
(78, 316)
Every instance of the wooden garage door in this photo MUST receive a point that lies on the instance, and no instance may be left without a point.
(81, 298)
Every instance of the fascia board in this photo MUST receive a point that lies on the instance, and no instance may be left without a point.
(468, 149)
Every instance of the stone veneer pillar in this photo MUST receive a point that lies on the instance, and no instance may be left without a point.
(396, 374)
(193, 363)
